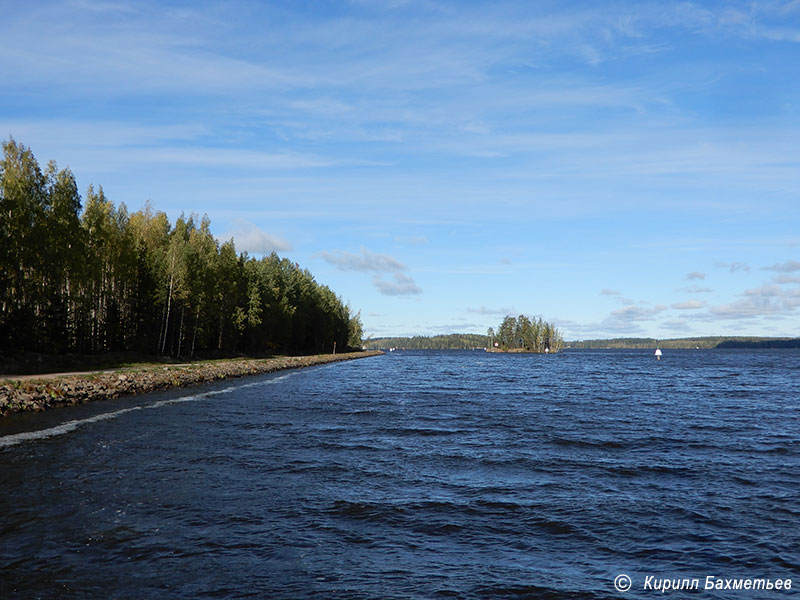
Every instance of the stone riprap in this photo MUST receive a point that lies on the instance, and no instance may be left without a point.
(41, 392)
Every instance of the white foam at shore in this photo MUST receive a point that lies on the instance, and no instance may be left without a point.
(26, 436)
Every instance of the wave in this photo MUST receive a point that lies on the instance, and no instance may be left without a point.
(588, 443)
(27, 436)
(520, 592)
(442, 518)
(64, 428)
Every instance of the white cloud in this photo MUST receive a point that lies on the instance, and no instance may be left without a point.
(483, 310)
(366, 262)
(694, 275)
(616, 295)
(370, 262)
(624, 321)
(747, 309)
(765, 291)
(412, 240)
(733, 267)
(249, 238)
(787, 279)
(764, 301)
(629, 320)
(224, 157)
(678, 325)
(635, 313)
(790, 266)
(456, 327)
(403, 285)
(688, 305)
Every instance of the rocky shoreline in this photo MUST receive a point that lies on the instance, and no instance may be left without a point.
(43, 392)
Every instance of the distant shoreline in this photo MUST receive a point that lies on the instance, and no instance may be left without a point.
(703, 343)
(43, 392)
(471, 341)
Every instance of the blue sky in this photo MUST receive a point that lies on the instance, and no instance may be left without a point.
(620, 168)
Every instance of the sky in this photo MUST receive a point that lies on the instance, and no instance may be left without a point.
(621, 169)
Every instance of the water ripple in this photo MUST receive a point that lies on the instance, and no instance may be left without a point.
(418, 475)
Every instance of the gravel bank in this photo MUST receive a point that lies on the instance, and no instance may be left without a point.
(39, 393)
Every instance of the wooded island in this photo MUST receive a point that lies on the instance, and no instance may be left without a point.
(525, 334)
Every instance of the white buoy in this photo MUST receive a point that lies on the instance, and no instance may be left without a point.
(658, 353)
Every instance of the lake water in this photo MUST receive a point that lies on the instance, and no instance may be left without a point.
(417, 475)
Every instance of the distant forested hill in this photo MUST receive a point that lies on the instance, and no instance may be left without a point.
(453, 341)
(690, 342)
(768, 343)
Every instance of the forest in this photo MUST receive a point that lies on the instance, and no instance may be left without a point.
(86, 276)
(451, 341)
(526, 334)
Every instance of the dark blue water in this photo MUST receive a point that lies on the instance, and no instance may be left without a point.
(416, 475)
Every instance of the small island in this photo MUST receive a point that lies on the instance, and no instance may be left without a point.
(525, 334)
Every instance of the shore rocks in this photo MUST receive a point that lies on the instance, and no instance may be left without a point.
(49, 391)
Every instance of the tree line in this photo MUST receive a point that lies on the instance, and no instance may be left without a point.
(703, 343)
(450, 341)
(526, 334)
(90, 277)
